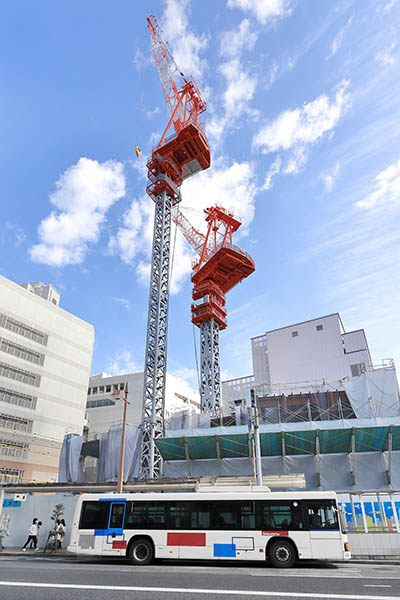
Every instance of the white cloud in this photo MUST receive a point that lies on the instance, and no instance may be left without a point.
(305, 125)
(83, 195)
(338, 39)
(122, 363)
(18, 233)
(387, 188)
(388, 7)
(150, 114)
(233, 187)
(186, 46)
(272, 171)
(263, 10)
(386, 57)
(180, 382)
(296, 161)
(123, 302)
(236, 40)
(329, 179)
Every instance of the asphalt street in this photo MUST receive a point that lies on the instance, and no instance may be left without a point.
(41, 578)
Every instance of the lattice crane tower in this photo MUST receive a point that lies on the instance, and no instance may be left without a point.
(174, 159)
(220, 267)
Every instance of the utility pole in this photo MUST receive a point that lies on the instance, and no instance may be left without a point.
(124, 398)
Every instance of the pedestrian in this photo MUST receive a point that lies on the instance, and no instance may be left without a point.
(39, 524)
(32, 535)
(61, 531)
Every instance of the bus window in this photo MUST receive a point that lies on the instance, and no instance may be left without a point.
(247, 515)
(146, 515)
(117, 515)
(224, 515)
(280, 515)
(94, 515)
(322, 515)
(201, 515)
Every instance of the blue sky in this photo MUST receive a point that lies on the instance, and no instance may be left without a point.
(303, 120)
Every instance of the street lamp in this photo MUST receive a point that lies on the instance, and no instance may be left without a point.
(124, 398)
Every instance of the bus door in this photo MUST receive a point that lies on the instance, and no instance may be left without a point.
(114, 540)
(323, 524)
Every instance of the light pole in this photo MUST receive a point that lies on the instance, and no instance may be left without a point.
(124, 398)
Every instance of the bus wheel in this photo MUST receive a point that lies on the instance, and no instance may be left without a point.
(281, 554)
(141, 552)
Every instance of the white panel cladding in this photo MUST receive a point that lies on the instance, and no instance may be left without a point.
(61, 395)
(259, 349)
(310, 351)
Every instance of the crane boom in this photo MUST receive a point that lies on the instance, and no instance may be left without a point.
(166, 67)
(194, 237)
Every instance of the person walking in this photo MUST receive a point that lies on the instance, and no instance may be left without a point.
(32, 536)
(61, 531)
(31, 545)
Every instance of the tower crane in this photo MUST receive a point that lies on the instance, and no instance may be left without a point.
(220, 266)
(182, 151)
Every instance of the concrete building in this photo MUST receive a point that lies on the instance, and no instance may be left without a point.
(312, 355)
(45, 359)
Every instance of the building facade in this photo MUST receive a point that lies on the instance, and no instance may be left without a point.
(315, 355)
(45, 360)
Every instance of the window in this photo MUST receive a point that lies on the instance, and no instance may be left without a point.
(319, 327)
(88, 392)
(94, 515)
(19, 374)
(21, 352)
(17, 423)
(108, 388)
(11, 475)
(247, 515)
(180, 516)
(17, 398)
(146, 515)
(122, 386)
(117, 516)
(21, 329)
(13, 448)
(225, 515)
(357, 369)
(101, 389)
(279, 515)
(295, 333)
(94, 390)
(322, 515)
(100, 402)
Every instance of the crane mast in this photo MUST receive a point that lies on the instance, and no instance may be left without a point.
(174, 159)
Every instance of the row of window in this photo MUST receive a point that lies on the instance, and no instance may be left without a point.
(11, 475)
(222, 514)
(21, 329)
(106, 389)
(17, 398)
(19, 374)
(16, 423)
(317, 327)
(100, 402)
(21, 352)
(13, 448)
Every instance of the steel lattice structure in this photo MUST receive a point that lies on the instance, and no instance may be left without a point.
(175, 158)
(156, 340)
(210, 378)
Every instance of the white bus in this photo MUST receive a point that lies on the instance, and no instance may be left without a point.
(236, 524)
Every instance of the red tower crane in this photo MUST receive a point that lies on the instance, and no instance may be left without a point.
(182, 151)
(220, 267)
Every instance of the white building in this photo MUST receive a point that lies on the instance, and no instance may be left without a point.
(45, 359)
(313, 355)
(103, 410)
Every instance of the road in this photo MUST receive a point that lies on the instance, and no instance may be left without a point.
(67, 578)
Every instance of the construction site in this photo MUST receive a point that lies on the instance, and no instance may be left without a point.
(279, 427)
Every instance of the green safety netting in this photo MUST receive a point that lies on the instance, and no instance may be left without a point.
(330, 441)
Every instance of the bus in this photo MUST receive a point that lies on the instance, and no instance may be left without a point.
(279, 527)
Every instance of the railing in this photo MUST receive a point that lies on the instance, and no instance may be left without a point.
(209, 255)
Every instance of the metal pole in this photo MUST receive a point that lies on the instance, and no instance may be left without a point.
(395, 517)
(122, 450)
(257, 439)
(364, 516)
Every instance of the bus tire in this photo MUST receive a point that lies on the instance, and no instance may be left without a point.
(282, 554)
(141, 552)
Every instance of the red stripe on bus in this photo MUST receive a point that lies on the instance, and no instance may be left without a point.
(119, 545)
(274, 533)
(186, 539)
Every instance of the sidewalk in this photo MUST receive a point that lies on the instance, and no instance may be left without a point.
(13, 551)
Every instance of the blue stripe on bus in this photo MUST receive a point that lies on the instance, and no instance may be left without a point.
(109, 531)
